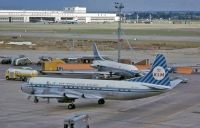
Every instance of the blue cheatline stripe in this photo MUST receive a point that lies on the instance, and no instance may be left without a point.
(100, 89)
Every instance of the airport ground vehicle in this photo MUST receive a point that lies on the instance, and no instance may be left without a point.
(44, 59)
(21, 74)
(22, 60)
(5, 60)
(76, 121)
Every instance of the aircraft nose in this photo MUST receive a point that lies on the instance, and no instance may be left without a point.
(24, 87)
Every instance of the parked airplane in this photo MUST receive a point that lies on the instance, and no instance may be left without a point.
(115, 68)
(48, 21)
(106, 69)
(43, 21)
(67, 90)
(68, 21)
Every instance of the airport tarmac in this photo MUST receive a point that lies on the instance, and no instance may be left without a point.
(188, 56)
(100, 36)
(179, 108)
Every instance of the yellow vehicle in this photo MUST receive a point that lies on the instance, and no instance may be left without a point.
(20, 74)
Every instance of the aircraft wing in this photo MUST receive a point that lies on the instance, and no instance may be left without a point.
(48, 95)
(75, 72)
(57, 94)
(94, 72)
(73, 96)
(76, 94)
(67, 93)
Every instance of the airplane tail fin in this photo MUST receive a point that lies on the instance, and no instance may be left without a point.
(158, 74)
(96, 53)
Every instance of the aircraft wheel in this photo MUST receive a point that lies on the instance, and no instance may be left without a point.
(101, 101)
(24, 79)
(122, 78)
(7, 78)
(36, 100)
(71, 106)
(74, 106)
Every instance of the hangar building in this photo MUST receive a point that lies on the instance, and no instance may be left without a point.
(78, 14)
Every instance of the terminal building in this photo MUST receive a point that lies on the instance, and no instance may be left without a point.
(78, 14)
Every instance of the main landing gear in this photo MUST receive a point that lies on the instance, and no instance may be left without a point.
(71, 106)
(36, 100)
(101, 101)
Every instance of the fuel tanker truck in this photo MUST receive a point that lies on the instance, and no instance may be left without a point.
(20, 74)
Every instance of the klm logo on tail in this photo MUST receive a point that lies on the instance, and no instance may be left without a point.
(158, 74)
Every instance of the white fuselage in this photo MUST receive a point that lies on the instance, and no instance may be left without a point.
(108, 89)
(112, 66)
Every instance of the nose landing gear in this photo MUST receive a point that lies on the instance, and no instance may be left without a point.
(36, 100)
(71, 106)
(101, 101)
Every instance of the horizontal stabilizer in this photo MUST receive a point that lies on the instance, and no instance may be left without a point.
(175, 82)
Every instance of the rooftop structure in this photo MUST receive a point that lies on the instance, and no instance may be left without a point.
(75, 9)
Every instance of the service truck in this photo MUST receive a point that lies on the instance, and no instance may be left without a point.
(20, 74)
(76, 121)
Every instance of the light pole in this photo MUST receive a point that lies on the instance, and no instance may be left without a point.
(119, 7)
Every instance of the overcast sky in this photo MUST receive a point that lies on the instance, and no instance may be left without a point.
(104, 5)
